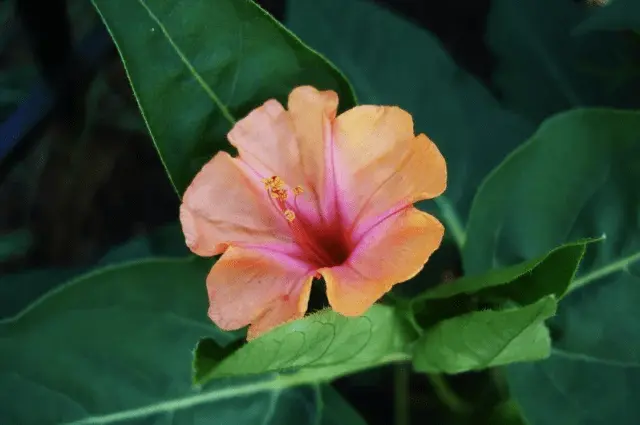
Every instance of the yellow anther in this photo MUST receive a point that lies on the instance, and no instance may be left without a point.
(297, 190)
(280, 194)
(289, 215)
(273, 183)
(268, 183)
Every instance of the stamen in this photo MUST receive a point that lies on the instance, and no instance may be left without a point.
(289, 215)
(280, 194)
(268, 183)
(275, 187)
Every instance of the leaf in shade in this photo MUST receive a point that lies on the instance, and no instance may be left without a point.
(618, 15)
(576, 177)
(542, 67)
(114, 346)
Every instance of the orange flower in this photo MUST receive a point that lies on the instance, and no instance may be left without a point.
(310, 195)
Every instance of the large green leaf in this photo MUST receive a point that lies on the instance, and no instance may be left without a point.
(543, 68)
(593, 374)
(391, 61)
(18, 290)
(576, 177)
(198, 66)
(320, 347)
(615, 16)
(115, 346)
(483, 339)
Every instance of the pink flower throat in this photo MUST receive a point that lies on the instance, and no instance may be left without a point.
(323, 245)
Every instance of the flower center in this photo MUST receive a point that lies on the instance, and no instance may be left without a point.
(324, 245)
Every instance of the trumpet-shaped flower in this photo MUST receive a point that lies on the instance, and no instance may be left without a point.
(312, 195)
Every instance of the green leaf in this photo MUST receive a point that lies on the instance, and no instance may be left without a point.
(114, 346)
(14, 244)
(208, 354)
(618, 15)
(320, 347)
(507, 413)
(114, 339)
(542, 68)
(18, 290)
(196, 67)
(524, 283)
(164, 241)
(391, 61)
(485, 339)
(338, 411)
(576, 177)
(593, 374)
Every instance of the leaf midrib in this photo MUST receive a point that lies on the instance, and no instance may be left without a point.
(223, 109)
(606, 270)
(277, 384)
(537, 321)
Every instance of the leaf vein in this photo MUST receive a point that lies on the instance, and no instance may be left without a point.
(611, 268)
(223, 109)
(591, 359)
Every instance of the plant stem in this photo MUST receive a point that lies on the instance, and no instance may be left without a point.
(401, 376)
(447, 395)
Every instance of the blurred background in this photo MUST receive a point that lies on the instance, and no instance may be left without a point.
(81, 184)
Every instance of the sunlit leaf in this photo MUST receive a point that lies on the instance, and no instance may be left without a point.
(321, 347)
(485, 339)
(526, 282)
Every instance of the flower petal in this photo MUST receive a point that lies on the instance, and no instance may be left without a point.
(257, 287)
(393, 251)
(283, 310)
(224, 205)
(266, 142)
(312, 112)
(290, 144)
(381, 164)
